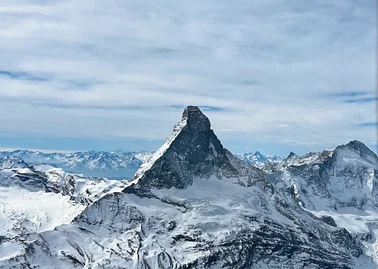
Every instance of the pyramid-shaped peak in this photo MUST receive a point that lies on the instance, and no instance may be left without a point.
(195, 119)
(193, 150)
(192, 108)
(358, 145)
(355, 145)
(360, 148)
(10, 162)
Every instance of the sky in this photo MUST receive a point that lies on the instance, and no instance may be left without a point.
(274, 76)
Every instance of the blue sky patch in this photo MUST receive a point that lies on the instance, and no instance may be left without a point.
(22, 75)
(362, 100)
(349, 94)
(369, 124)
(250, 67)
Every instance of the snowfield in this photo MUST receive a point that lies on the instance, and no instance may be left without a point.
(194, 205)
(41, 198)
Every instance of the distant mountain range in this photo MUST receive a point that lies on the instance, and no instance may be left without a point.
(113, 165)
(192, 205)
(109, 164)
(258, 159)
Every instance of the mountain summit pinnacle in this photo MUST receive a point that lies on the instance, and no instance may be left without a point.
(359, 149)
(195, 119)
(192, 151)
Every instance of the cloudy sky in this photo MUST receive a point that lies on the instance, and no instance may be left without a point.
(275, 76)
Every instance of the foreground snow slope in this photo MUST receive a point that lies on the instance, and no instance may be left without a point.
(40, 198)
(340, 185)
(194, 205)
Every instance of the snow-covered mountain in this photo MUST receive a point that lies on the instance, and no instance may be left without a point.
(10, 162)
(40, 197)
(258, 159)
(113, 165)
(339, 185)
(195, 205)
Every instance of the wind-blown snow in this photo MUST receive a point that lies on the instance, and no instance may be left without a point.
(40, 211)
(26, 207)
(314, 211)
(150, 161)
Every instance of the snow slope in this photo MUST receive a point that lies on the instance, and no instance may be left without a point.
(194, 205)
(340, 186)
(40, 198)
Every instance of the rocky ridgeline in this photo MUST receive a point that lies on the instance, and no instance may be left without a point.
(195, 205)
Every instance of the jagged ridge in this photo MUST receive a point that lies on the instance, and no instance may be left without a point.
(192, 151)
(192, 206)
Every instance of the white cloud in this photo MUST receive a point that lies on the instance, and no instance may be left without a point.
(120, 68)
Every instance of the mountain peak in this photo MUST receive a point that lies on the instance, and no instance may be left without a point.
(359, 149)
(191, 109)
(193, 150)
(259, 157)
(10, 162)
(357, 145)
(195, 119)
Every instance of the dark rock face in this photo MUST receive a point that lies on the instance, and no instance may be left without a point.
(278, 247)
(195, 152)
(196, 120)
(237, 219)
(361, 149)
(108, 211)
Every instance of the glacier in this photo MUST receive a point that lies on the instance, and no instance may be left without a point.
(193, 204)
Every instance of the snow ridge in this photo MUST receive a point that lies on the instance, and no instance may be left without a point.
(258, 159)
(41, 197)
(194, 205)
(114, 164)
(151, 160)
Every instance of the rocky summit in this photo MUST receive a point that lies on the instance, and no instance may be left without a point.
(194, 205)
(192, 151)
